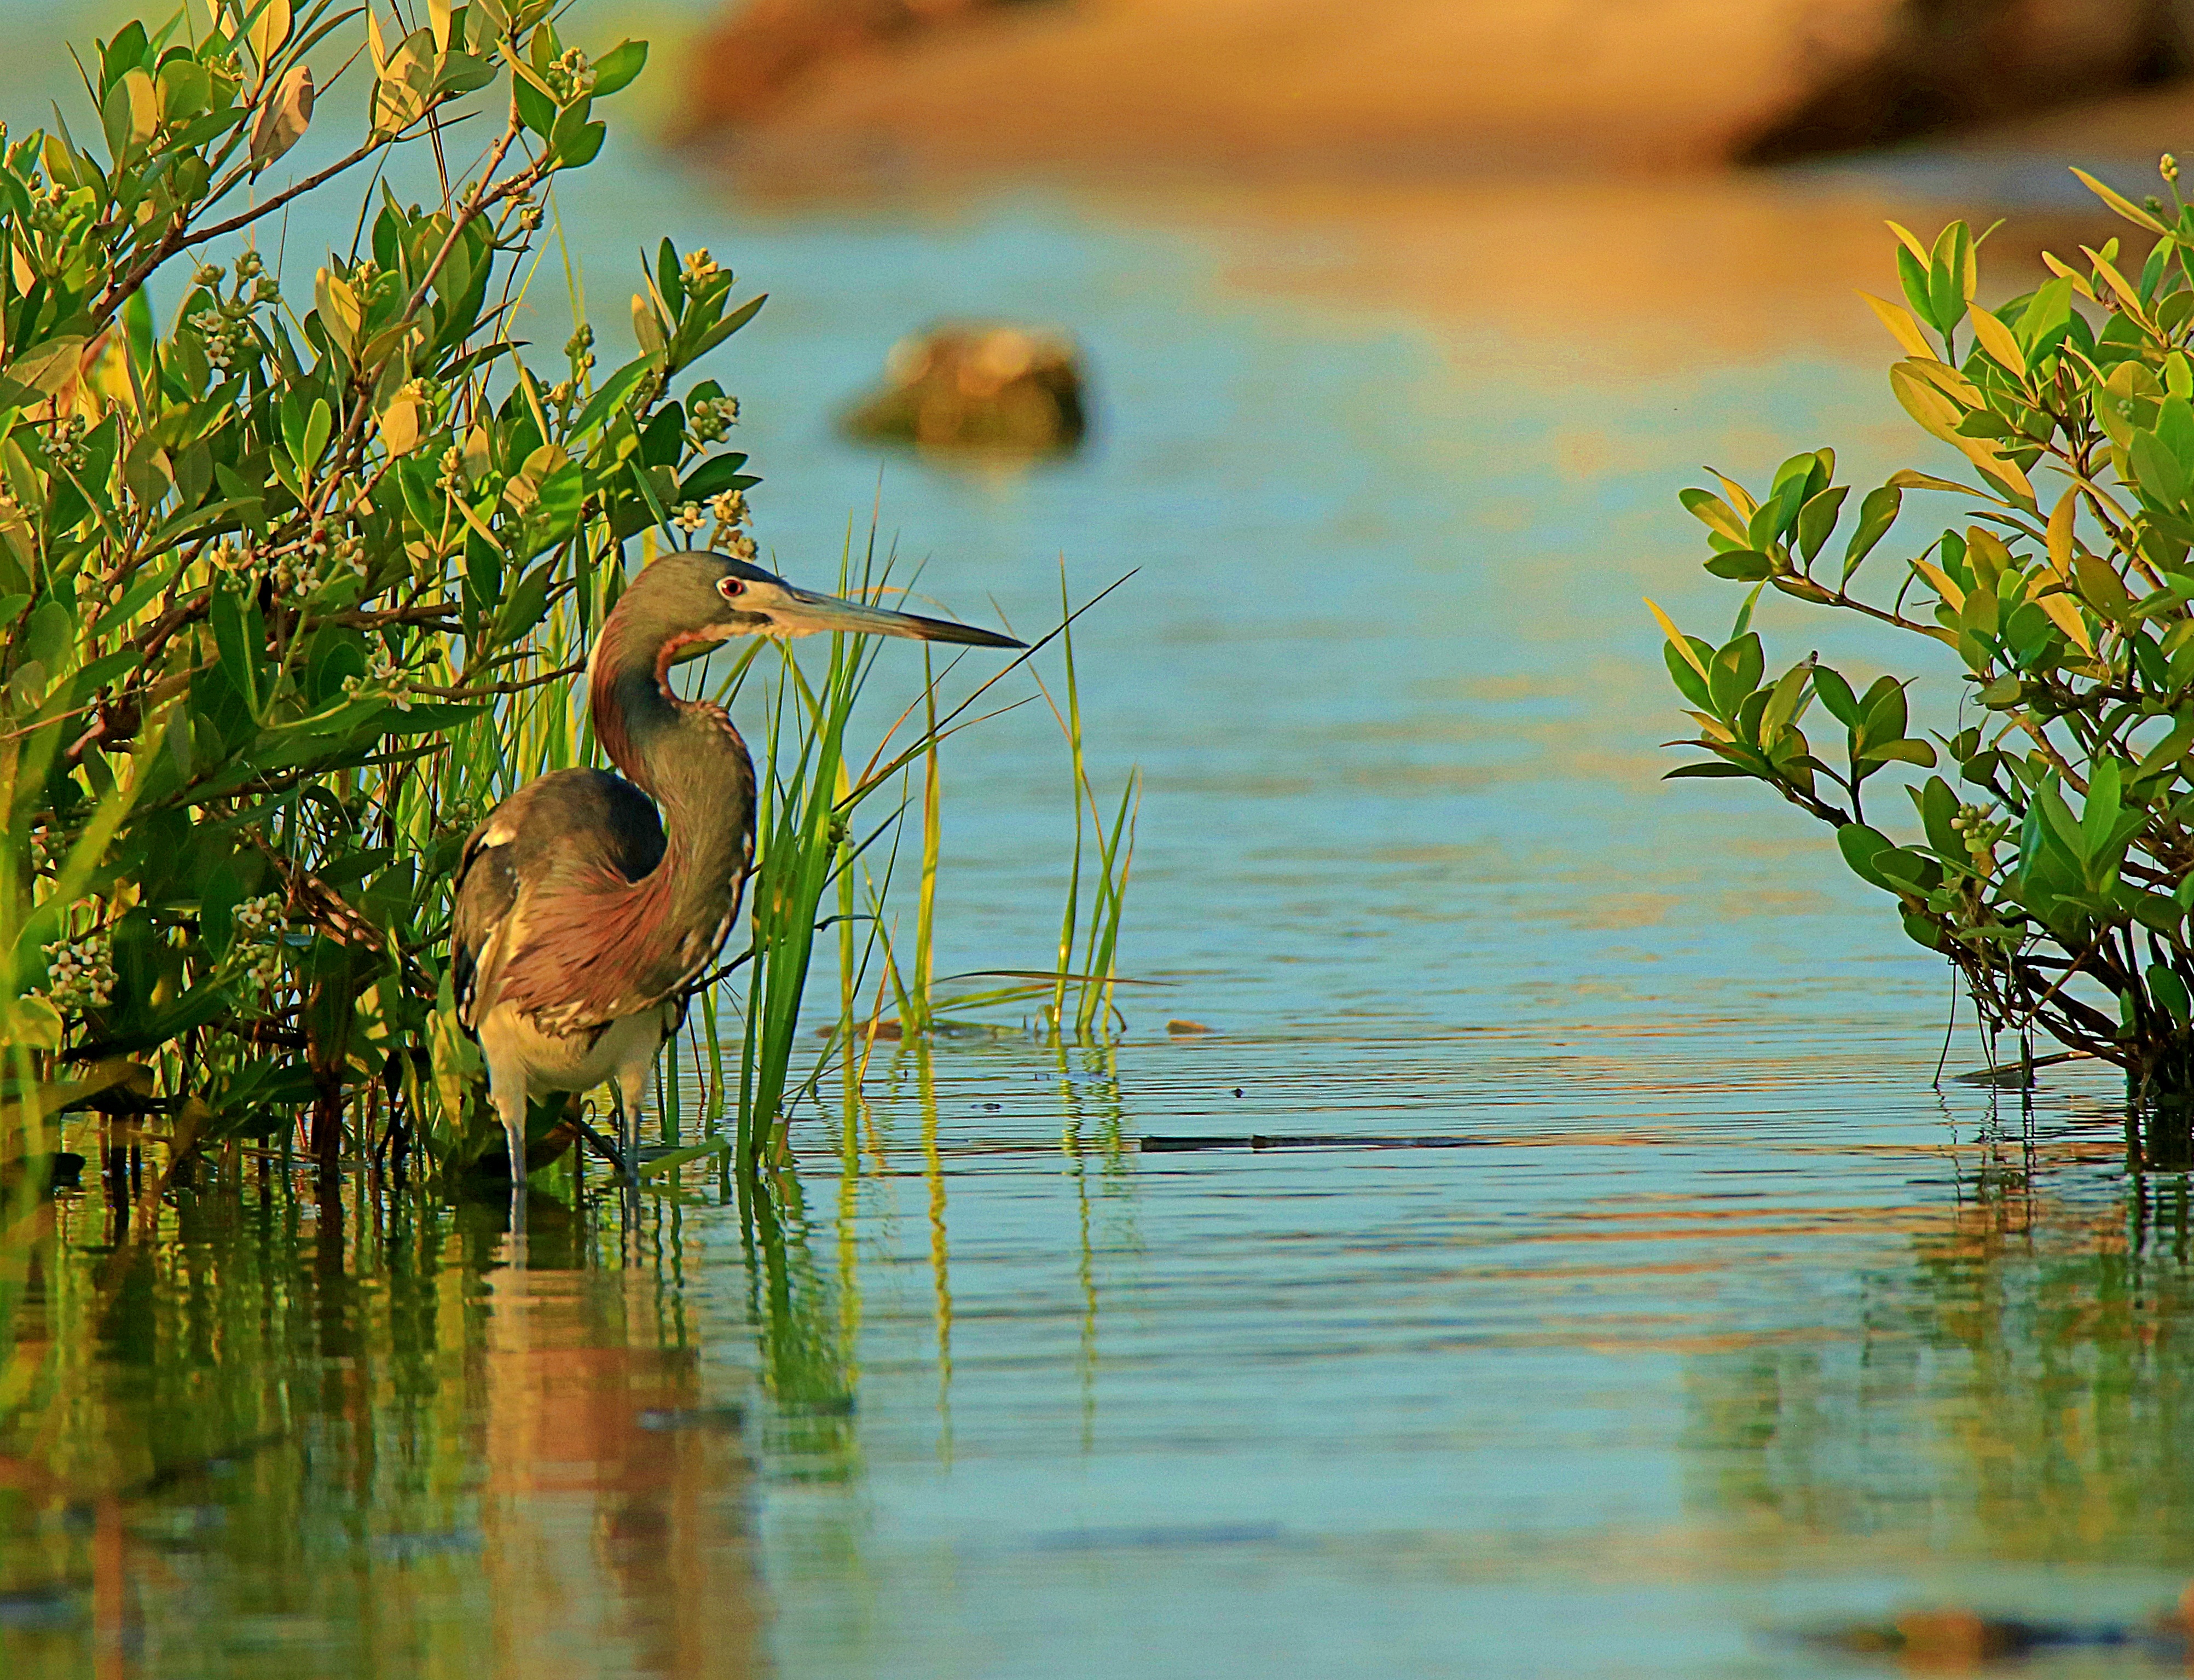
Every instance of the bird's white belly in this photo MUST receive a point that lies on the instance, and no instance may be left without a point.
(555, 1062)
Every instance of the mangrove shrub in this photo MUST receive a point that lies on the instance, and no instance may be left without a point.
(2050, 855)
(275, 562)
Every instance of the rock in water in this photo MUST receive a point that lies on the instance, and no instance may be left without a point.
(982, 386)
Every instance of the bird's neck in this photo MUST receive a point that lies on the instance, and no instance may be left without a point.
(685, 754)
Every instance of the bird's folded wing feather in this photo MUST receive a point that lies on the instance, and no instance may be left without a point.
(604, 949)
(544, 897)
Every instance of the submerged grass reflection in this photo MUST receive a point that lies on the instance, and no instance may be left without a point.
(257, 1440)
(2019, 1389)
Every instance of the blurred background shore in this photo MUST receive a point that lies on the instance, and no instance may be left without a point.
(825, 91)
(1665, 168)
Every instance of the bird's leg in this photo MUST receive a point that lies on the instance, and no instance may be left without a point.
(509, 1094)
(630, 1081)
(628, 1095)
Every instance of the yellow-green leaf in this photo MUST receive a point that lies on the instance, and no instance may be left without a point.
(268, 30)
(400, 425)
(283, 119)
(340, 312)
(144, 105)
(1996, 339)
(34, 1024)
(1939, 581)
(1911, 242)
(2102, 587)
(1906, 477)
(50, 366)
(2123, 205)
(647, 330)
(2066, 617)
(1927, 403)
(2060, 534)
(2128, 298)
(1739, 497)
(1902, 327)
(2064, 271)
(1676, 638)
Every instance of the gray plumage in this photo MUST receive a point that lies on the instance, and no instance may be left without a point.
(582, 913)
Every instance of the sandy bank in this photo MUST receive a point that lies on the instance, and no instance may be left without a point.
(1143, 88)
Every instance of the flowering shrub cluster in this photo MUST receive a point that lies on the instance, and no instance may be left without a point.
(274, 571)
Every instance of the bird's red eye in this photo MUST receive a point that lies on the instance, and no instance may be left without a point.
(729, 587)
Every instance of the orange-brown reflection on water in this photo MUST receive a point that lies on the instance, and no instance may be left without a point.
(246, 1452)
(1618, 278)
(603, 1507)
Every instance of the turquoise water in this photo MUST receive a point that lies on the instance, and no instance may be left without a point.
(1707, 1321)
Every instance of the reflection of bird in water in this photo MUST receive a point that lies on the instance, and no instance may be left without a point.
(582, 915)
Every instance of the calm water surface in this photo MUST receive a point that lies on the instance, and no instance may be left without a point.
(1707, 1321)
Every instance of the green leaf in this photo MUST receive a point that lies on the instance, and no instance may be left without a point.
(2104, 807)
(1735, 673)
(1939, 806)
(1883, 710)
(1860, 846)
(1912, 275)
(126, 51)
(1788, 698)
(463, 73)
(415, 477)
(562, 494)
(582, 145)
(534, 108)
(231, 640)
(1908, 751)
(524, 606)
(2158, 470)
(723, 329)
(1836, 695)
(320, 425)
(1780, 511)
(609, 394)
(2169, 991)
(669, 287)
(294, 415)
(1876, 516)
(1746, 566)
(715, 475)
(1817, 520)
(2061, 825)
(614, 71)
(1715, 514)
(1689, 683)
(1716, 768)
(2048, 313)
(1947, 291)
(1922, 931)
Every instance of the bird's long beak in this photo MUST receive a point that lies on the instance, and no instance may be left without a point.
(802, 612)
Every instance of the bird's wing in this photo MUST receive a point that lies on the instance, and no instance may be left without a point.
(598, 951)
(484, 898)
(583, 836)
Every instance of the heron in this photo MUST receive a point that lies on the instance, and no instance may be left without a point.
(588, 902)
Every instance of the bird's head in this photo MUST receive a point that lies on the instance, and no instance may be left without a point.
(687, 602)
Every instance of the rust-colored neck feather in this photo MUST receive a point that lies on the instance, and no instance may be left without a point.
(687, 755)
